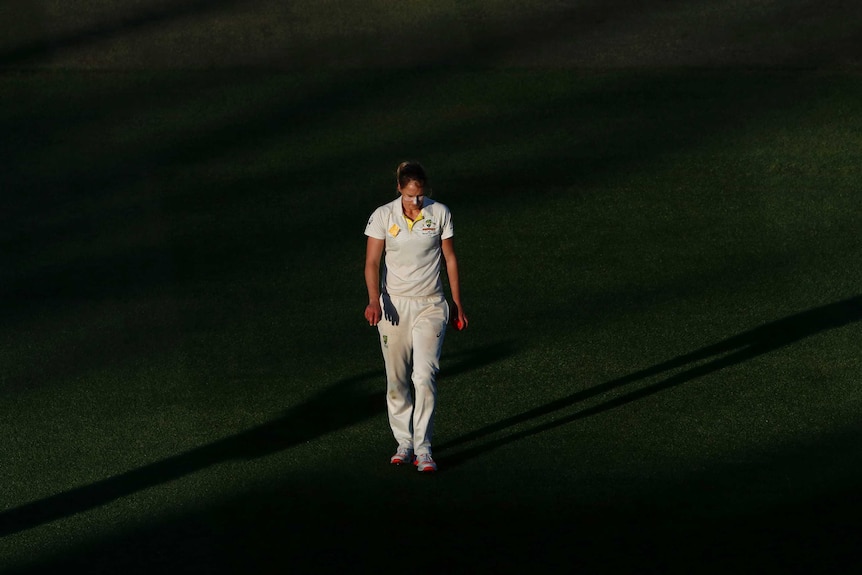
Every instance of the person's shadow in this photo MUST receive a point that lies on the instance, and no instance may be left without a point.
(340, 405)
(731, 351)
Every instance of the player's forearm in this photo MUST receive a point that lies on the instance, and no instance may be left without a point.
(454, 279)
(372, 283)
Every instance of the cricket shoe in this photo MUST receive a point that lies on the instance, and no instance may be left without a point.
(425, 463)
(402, 456)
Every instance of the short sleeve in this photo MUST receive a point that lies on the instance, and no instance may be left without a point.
(447, 227)
(375, 228)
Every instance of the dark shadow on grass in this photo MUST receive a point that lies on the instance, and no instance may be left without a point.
(215, 235)
(33, 51)
(340, 405)
(319, 524)
(732, 351)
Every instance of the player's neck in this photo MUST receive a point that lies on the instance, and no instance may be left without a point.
(411, 212)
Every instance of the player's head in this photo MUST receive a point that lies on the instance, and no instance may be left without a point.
(411, 172)
(412, 183)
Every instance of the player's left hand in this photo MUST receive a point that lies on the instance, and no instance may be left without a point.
(459, 319)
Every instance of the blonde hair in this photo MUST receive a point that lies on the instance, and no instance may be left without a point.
(410, 171)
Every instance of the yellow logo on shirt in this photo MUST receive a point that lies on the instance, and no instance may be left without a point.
(393, 231)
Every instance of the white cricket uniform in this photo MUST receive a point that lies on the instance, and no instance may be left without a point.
(415, 314)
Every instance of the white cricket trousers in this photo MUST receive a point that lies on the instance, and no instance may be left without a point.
(411, 337)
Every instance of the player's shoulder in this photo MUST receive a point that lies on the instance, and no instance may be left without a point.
(437, 207)
(386, 208)
(379, 220)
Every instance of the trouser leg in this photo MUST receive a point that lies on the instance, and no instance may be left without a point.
(397, 346)
(428, 331)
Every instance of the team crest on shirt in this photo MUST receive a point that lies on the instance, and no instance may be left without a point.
(429, 227)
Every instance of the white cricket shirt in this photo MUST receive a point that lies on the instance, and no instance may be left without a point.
(412, 253)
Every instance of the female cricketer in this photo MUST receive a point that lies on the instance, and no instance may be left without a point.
(411, 236)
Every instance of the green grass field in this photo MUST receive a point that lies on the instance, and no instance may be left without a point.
(660, 266)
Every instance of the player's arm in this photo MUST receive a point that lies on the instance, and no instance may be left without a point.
(448, 246)
(373, 255)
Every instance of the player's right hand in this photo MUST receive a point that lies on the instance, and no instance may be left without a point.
(373, 313)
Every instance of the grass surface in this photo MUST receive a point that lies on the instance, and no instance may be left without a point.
(660, 268)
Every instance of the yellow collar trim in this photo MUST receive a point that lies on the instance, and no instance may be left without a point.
(411, 222)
